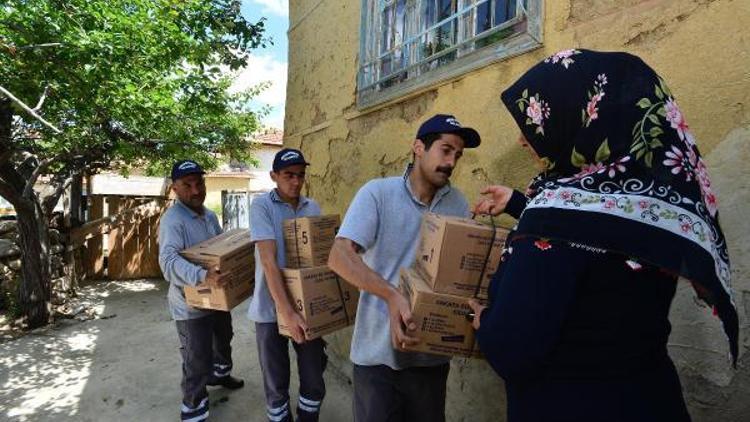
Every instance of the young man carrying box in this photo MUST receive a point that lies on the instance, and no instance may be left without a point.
(205, 335)
(382, 224)
(267, 215)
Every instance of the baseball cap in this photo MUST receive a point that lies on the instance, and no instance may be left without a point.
(184, 167)
(447, 123)
(288, 157)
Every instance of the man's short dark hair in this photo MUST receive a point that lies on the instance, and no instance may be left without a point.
(429, 139)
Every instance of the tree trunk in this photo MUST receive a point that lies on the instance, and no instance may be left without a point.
(6, 122)
(34, 292)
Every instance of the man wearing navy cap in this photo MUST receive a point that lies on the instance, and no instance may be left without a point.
(205, 335)
(377, 238)
(267, 215)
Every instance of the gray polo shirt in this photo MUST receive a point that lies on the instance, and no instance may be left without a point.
(179, 228)
(384, 219)
(267, 215)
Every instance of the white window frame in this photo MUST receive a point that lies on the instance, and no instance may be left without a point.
(374, 90)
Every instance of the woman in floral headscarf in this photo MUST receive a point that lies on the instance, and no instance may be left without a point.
(578, 318)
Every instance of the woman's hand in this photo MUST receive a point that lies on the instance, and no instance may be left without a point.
(495, 200)
(477, 309)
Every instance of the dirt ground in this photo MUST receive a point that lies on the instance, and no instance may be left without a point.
(124, 365)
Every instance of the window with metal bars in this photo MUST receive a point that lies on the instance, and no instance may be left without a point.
(407, 45)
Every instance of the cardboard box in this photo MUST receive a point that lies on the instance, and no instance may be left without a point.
(441, 320)
(326, 302)
(232, 252)
(453, 251)
(308, 240)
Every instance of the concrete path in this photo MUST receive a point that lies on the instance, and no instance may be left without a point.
(125, 366)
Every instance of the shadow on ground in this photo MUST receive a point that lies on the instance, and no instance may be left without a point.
(125, 366)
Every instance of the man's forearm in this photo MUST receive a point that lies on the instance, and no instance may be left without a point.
(348, 264)
(180, 271)
(276, 287)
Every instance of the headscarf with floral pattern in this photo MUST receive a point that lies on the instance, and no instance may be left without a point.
(623, 170)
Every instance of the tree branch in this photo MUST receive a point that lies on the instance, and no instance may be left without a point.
(44, 45)
(42, 98)
(26, 165)
(29, 110)
(49, 201)
(35, 175)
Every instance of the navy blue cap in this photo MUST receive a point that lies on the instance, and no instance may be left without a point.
(446, 123)
(288, 157)
(184, 167)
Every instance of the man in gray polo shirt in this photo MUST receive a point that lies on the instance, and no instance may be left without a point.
(377, 238)
(205, 335)
(267, 215)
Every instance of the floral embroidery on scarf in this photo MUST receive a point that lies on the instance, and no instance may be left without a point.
(598, 166)
(563, 57)
(633, 265)
(681, 162)
(543, 244)
(536, 109)
(591, 112)
(617, 166)
(659, 213)
(704, 181)
(547, 163)
(677, 121)
(602, 155)
(646, 141)
(587, 248)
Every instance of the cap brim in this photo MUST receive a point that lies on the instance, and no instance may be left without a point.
(470, 136)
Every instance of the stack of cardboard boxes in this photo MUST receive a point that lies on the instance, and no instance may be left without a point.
(326, 302)
(455, 261)
(232, 253)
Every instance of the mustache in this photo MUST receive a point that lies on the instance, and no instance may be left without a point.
(447, 170)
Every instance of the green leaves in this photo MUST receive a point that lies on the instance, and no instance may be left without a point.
(150, 67)
(548, 164)
(645, 139)
(664, 88)
(577, 159)
(649, 158)
(655, 131)
(602, 153)
(523, 101)
(659, 93)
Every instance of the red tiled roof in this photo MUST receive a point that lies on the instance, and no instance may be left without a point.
(270, 137)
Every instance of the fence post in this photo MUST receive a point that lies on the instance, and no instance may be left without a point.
(93, 253)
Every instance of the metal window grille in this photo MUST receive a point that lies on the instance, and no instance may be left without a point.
(409, 44)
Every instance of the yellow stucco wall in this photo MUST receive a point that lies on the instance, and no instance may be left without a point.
(701, 48)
